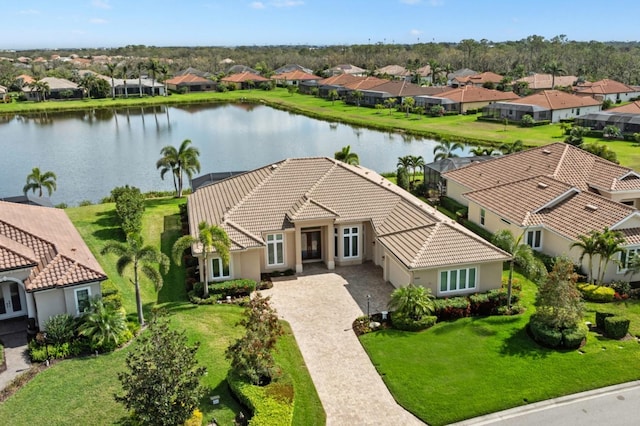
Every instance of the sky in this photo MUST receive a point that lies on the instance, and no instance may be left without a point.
(114, 23)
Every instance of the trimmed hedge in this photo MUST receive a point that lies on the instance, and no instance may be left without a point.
(572, 338)
(452, 308)
(616, 327)
(404, 323)
(271, 405)
(233, 288)
(451, 204)
(569, 338)
(600, 317)
(596, 293)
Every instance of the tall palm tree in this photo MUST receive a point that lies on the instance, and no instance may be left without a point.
(139, 67)
(42, 88)
(124, 73)
(404, 162)
(213, 238)
(88, 82)
(346, 156)
(609, 243)
(445, 150)
(554, 68)
(408, 104)
(142, 259)
(521, 254)
(333, 95)
(37, 181)
(167, 163)
(154, 68)
(588, 244)
(415, 162)
(111, 72)
(164, 71)
(184, 160)
(510, 148)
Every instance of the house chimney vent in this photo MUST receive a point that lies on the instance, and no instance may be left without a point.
(542, 185)
(591, 207)
(546, 151)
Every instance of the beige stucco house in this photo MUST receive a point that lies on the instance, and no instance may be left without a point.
(553, 194)
(46, 269)
(297, 211)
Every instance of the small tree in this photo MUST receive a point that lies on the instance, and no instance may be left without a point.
(402, 178)
(576, 135)
(408, 104)
(347, 156)
(357, 96)
(162, 382)
(527, 121)
(436, 111)
(333, 95)
(103, 325)
(251, 355)
(559, 303)
(292, 89)
(129, 208)
(611, 132)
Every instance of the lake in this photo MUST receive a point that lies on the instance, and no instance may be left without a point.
(94, 151)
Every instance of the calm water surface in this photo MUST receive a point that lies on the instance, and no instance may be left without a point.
(94, 151)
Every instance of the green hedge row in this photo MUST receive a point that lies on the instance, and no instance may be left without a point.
(233, 288)
(570, 338)
(492, 302)
(271, 405)
(402, 322)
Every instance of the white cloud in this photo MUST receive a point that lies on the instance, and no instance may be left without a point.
(287, 3)
(257, 5)
(98, 21)
(29, 12)
(101, 4)
(415, 33)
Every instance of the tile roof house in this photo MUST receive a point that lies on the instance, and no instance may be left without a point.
(612, 90)
(336, 82)
(477, 79)
(465, 98)
(59, 88)
(346, 69)
(301, 210)
(45, 267)
(631, 108)
(393, 89)
(292, 67)
(545, 81)
(294, 78)
(551, 105)
(397, 72)
(464, 72)
(244, 80)
(553, 193)
(190, 83)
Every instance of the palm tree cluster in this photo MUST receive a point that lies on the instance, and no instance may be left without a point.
(446, 149)
(180, 162)
(413, 163)
(605, 244)
(347, 156)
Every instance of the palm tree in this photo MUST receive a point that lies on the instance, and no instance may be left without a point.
(143, 259)
(408, 103)
(37, 180)
(404, 162)
(41, 87)
(124, 73)
(168, 164)
(88, 82)
(390, 102)
(412, 301)
(139, 67)
(510, 148)
(445, 150)
(212, 238)
(111, 72)
(183, 160)
(522, 254)
(333, 95)
(357, 96)
(102, 324)
(415, 162)
(554, 68)
(165, 71)
(609, 243)
(588, 244)
(154, 68)
(346, 156)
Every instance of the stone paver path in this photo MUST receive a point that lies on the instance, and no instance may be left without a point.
(15, 352)
(321, 305)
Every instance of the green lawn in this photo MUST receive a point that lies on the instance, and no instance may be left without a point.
(80, 391)
(474, 366)
(464, 128)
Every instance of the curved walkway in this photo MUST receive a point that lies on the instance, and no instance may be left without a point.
(321, 305)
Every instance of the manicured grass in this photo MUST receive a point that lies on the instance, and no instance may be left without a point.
(80, 391)
(464, 128)
(474, 366)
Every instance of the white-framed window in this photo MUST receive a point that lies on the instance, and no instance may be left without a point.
(83, 299)
(626, 257)
(482, 216)
(351, 242)
(219, 270)
(534, 239)
(275, 249)
(457, 279)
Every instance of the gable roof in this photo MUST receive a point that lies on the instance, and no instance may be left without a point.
(274, 197)
(632, 108)
(365, 83)
(472, 93)
(244, 77)
(295, 75)
(292, 67)
(483, 77)
(544, 81)
(401, 88)
(604, 87)
(188, 79)
(346, 69)
(559, 160)
(340, 80)
(45, 239)
(556, 99)
(394, 70)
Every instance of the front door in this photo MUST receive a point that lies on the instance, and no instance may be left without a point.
(11, 301)
(311, 246)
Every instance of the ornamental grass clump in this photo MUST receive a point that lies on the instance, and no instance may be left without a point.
(412, 307)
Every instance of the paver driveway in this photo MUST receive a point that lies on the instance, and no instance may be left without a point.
(321, 305)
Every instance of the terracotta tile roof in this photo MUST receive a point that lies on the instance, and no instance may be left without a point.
(188, 79)
(340, 80)
(480, 79)
(347, 69)
(631, 235)
(401, 88)
(26, 79)
(244, 77)
(561, 161)
(14, 255)
(605, 86)
(295, 75)
(544, 81)
(47, 236)
(471, 93)
(272, 198)
(632, 108)
(556, 99)
(394, 70)
(365, 83)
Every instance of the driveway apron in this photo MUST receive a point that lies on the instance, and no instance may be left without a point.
(321, 305)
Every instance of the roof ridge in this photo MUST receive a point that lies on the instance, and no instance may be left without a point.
(403, 230)
(324, 176)
(241, 229)
(457, 227)
(249, 194)
(423, 247)
(561, 160)
(51, 245)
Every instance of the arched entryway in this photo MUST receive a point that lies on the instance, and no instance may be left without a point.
(12, 300)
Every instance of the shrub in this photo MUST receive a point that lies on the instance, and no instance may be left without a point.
(413, 302)
(616, 327)
(596, 293)
(436, 111)
(85, 203)
(60, 328)
(451, 204)
(480, 304)
(572, 338)
(402, 178)
(129, 208)
(527, 121)
(544, 335)
(621, 287)
(111, 295)
(233, 288)
(271, 405)
(195, 419)
(403, 322)
(453, 308)
(600, 317)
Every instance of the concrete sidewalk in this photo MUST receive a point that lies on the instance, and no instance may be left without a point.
(15, 352)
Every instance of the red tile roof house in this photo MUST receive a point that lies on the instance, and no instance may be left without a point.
(295, 78)
(477, 80)
(394, 89)
(552, 105)
(554, 193)
(607, 89)
(396, 72)
(245, 80)
(336, 82)
(187, 83)
(303, 210)
(465, 98)
(46, 269)
(545, 81)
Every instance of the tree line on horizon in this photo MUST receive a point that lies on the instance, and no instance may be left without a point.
(591, 60)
